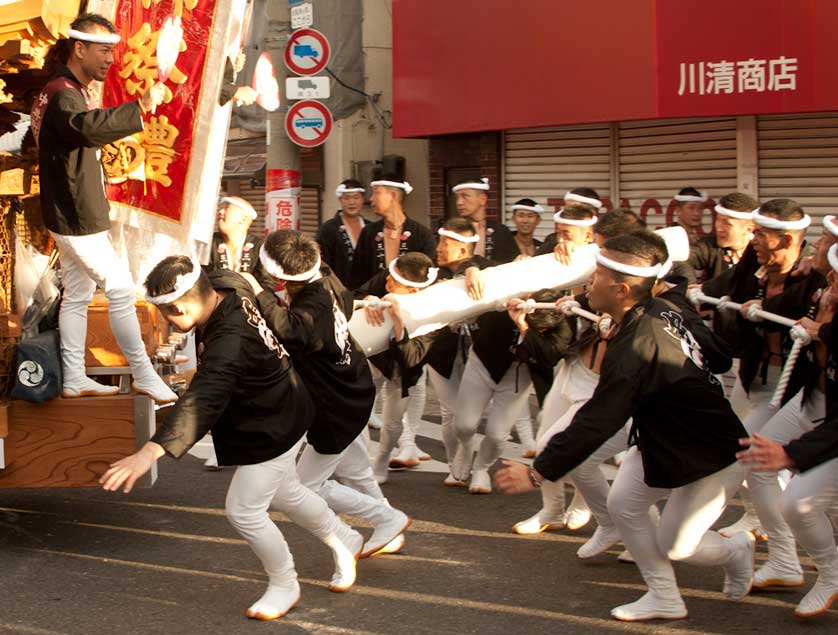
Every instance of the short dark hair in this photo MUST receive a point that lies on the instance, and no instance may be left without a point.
(295, 252)
(578, 211)
(618, 222)
(525, 201)
(646, 246)
(87, 21)
(587, 192)
(689, 191)
(468, 181)
(785, 209)
(351, 184)
(414, 266)
(400, 193)
(738, 202)
(544, 319)
(161, 280)
(460, 225)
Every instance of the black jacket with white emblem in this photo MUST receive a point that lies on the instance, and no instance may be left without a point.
(653, 372)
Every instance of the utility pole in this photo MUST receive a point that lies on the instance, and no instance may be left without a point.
(283, 179)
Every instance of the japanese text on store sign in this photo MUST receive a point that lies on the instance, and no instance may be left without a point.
(751, 75)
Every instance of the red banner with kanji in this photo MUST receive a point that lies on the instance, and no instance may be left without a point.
(148, 170)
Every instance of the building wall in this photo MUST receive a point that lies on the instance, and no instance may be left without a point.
(363, 136)
(642, 164)
(453, 157)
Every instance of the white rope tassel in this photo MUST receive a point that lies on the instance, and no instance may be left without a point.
(572, 308)
(756, 314)
(801, 339)
(724, 303)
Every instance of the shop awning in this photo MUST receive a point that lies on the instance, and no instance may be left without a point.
(493, 65)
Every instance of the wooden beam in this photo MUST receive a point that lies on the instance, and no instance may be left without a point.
(71, 442)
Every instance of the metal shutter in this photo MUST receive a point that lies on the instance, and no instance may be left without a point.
(660, 156)
(544, 163)
(310, 209)
(798, 159)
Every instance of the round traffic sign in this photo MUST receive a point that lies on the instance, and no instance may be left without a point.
(308, 123)
(307, 52)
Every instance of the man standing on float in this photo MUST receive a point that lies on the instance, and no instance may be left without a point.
(76, 211)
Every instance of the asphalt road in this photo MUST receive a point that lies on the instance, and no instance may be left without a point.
(164, 560)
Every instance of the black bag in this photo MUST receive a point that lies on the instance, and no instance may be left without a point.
(38, 368)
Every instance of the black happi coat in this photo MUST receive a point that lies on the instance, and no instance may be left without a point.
(448, 343)
(246, 390)
(220, 257)
(336, 247)
(800, 300)
(821, 444)
(315, 331)
(535, 241)
(714, 349)
(746, 338)
(654, 373)
(407, 355)
(541, 351)
(500, 243)
(69, 137)
(369, 255)
(707, 260)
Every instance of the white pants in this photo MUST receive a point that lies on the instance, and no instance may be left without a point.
(88, 262)
(572, 387)
(395, 407)
(754, 410)
(446, 389)
(274, 485)
(590, 480)
(477, 389)
(683, 532)
(362, 496)
(416, 399)
(756, 400)
(805, 504)
(793, 420)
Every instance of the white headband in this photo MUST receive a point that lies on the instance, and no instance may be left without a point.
(781, 225)
(432, 274)
(342, 189)
(458, 237)
(581, 222)
(832, 255)
(96, 38)
(732, 213)
(657, 271)
(273, 268)
(483, 184)
(247, 207)
(593, 202)
(183, 283)
(529, 208)
(831, 224)
(407, 187)
(690, 198)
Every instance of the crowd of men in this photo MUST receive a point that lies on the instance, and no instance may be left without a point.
(287, 393)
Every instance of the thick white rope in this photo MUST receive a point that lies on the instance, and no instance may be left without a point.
(756, 314)
(572, 308)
